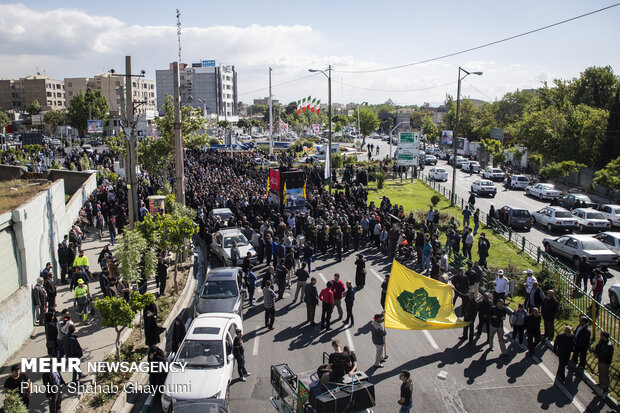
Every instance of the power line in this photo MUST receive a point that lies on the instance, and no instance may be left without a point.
(481, 46)
(395, 91)
(478, 90)
(279, 84)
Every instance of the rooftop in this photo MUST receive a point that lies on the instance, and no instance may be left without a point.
(16, 192)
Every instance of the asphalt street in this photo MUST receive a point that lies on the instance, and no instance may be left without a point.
(516, 198)
(476, 379)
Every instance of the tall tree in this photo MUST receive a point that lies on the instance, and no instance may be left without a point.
(595, 87)
(431, 131)
(55, 118)
(85, 106)
(34, 108)
(4, 120)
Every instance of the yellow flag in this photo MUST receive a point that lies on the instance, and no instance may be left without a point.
(305, 197)
(267, 186)
(416, 302)
(284, 194)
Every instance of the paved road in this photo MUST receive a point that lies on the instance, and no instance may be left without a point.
(477, 379)
(504, 197)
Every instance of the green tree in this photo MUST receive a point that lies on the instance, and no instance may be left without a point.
(467, 118)
(224, 124)
(55, 118)
(560, 170)
(85, 106)
(175, 230)
(13, 402)
(609, 176)
(430, 129)
(4, 120)
(484, 121)
(258, 109)
(595, 87)
(244, 124)
(117, 313)
(34, 108)
(131, 247)
(369, 122)
(344, 120)
(511, 106)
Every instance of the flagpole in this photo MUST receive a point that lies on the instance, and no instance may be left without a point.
(270, 120)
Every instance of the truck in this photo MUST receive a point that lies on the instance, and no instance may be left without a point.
(287, 188)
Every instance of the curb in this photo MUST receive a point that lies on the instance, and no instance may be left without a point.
(121, 405)
(585, 376)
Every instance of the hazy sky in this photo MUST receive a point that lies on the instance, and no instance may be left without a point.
(82, 38)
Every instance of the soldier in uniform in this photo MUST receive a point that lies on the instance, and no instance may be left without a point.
(346, 236)
(324, 238)
(338, 243)
(357, 234)
(333, 237)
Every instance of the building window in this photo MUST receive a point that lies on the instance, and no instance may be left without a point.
(70, 84)
(70, 93)
(49, 94)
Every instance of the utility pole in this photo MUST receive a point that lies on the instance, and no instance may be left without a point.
(270, 119)
(178, 139)
(329, 151)
(132, 158)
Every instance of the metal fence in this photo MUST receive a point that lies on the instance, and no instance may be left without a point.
(602, 318)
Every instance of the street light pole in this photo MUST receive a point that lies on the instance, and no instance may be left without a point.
(456, 128)
(329, 111)
(270, 119)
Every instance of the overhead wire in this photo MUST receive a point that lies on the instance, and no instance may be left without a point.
(278, 84)
(482, 45)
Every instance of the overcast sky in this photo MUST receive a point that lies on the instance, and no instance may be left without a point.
(82, 38)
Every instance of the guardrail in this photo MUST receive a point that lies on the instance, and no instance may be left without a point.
(601, 317)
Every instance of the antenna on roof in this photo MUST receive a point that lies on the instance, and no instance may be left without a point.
(179, 32)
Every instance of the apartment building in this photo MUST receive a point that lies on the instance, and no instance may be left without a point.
(18, 94)
(204, 86)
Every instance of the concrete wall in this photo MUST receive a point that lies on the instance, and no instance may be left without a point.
(73, 179)
(8, 172)
(37, 227)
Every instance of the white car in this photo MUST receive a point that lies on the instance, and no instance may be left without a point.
(87, 148)
(222, 245)
(459, 161)
(208, 351)
(519, 182)
(484, 187)
(555, 218)
(574, 247)
(223, 213)
(494, 174)
(589, 219)
(543, 191)
(438, 174)
(474, 164)
(430, 160)
(612, 213)
(611, 240)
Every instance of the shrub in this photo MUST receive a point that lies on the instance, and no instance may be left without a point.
(214, 141)
(435, 200)
(380, 179)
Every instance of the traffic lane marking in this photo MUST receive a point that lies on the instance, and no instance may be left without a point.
(430, 339)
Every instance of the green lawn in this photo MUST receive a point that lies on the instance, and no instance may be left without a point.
(416, 197)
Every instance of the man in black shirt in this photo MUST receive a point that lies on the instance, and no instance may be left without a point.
(239, 353)
(339, 363)
(353, 358)
(15, 383)
(406, 391)
(562, 346)
(497, 314)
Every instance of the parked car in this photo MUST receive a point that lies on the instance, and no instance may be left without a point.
(484, 187)
(494, 174)
(543, 191)
(222, 292)
(614, 296)
(611, 240)
(474, 164)
(574, 247)
(569, 201)
(589, 219)
(194, 406)
(611, 212)
(208, 351)
(555, 218)
(519, 182)
(438, 174)
(223, 213)
(222, 244)
(515, 217)
(430, 160)
(459, 161)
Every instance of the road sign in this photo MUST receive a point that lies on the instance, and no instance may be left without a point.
(408, 148)
(208, 63)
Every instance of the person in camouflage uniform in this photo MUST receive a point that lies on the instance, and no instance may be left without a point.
(324, 238)
(357, 235)
(346, 236)
(338, 241)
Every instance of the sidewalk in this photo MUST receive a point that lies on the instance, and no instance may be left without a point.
(95, 341)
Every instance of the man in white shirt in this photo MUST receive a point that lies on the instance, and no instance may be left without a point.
(529, 281)
(502, 286)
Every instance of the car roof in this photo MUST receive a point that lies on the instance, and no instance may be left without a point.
(580, 237)
(556, 208)
(586, 210)
(610, 205)
(227, 231)
(611, 234)
(220, 210)
(515, 208)
(223, 273)
(210, 321)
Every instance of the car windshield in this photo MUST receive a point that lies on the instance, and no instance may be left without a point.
(583, 198)
(486, 183)
(219, 289)
(440, 170)
(548, 187)
(520, 213)
(616, 210)
(200, 354)
(240, 239)
(563, 214)
(595, 215)
(593, 245)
